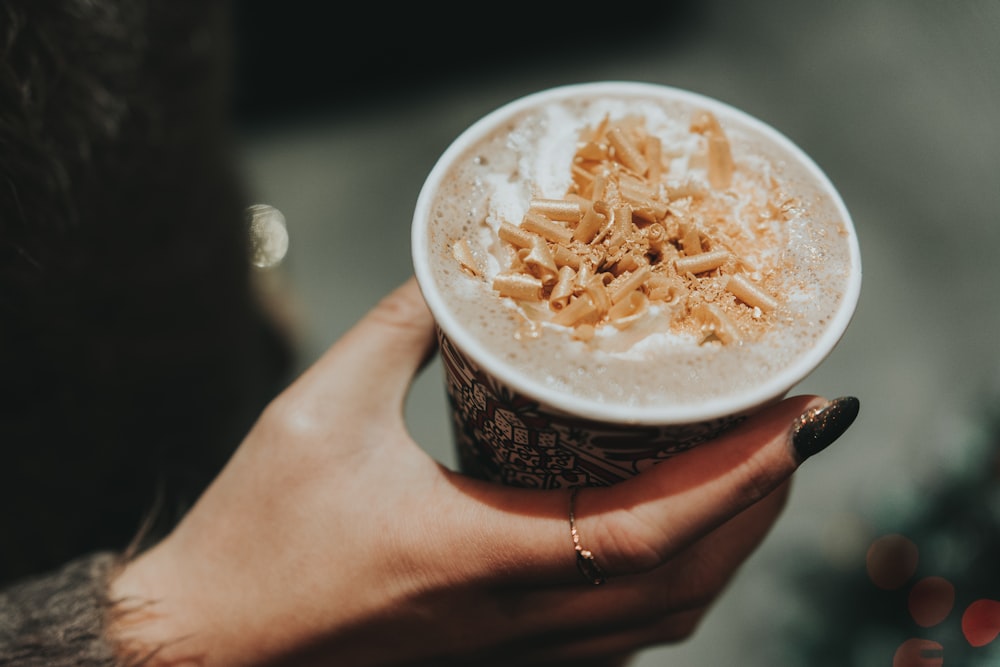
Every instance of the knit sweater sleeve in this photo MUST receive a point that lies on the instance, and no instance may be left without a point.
(58, 619)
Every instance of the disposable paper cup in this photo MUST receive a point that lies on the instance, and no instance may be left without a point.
(515, 421)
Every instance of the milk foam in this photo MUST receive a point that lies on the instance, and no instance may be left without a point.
(645, 366)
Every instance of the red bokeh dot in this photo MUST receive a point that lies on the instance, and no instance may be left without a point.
(918, 653)
(981, 622)
(891, 561)
(931, 600)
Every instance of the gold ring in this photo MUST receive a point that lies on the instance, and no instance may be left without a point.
(585, 561)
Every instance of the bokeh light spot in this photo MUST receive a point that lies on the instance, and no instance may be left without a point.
(981, 622)
(918, 653)
(931, 600)
(891, 561)
(268, 235)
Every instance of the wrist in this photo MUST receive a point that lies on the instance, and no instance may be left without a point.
(157, 620)
(140, 624)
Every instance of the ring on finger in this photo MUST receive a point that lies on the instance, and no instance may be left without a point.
(585, 560)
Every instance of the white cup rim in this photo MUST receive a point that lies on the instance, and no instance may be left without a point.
(734, 403)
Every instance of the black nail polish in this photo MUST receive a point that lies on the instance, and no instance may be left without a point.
(818, 428)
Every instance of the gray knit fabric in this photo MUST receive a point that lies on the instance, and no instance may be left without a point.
(58, 619)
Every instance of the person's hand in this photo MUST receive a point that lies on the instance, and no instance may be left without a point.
(331, 537)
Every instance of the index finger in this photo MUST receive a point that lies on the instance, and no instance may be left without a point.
(639, 524)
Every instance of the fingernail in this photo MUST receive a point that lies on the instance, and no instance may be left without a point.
(816, 429)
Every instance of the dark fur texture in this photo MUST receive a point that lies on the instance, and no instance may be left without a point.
(133, 355)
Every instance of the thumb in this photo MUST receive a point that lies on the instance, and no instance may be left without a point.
(380, 354)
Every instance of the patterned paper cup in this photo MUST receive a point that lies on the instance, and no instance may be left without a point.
(545, 404)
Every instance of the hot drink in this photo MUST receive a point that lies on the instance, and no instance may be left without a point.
(634, 254)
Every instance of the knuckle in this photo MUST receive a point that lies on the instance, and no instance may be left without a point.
(630, 543)
(757, 479)
(290, 419)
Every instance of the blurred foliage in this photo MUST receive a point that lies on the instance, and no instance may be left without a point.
(844, 619)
